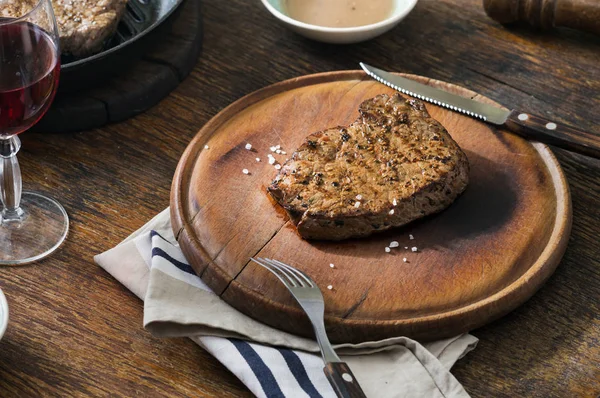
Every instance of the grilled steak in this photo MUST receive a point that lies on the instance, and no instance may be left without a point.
(393, 165)
(83, 25)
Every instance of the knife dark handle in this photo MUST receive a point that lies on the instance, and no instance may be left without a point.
(548, 132)
(342, 380)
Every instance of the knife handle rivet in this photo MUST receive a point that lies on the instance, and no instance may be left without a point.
(551, 126)
(523, 117)
(347, 377)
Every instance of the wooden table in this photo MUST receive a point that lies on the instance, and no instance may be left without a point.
(75, 330)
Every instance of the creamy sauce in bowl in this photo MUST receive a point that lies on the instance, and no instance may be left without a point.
(338, 13)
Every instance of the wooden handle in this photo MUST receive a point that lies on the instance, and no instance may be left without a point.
(576, 14)
(548, 132)
(342, 380)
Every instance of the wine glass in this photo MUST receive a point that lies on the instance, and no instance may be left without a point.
(31, 225)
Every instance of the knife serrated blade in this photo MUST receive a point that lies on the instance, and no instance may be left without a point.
(423, 92)
(525, 124)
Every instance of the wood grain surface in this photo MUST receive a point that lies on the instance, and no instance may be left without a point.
(476, 261)
(547, 14)
(75, 331)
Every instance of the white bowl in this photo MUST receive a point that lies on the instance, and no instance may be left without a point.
(342, 35)
(3, 314)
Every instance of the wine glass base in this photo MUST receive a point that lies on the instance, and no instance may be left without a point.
(41, 230)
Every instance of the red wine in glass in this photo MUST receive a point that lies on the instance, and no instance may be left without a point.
(32, 225)
(26, 88)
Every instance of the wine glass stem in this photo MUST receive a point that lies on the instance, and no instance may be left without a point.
(10, 179)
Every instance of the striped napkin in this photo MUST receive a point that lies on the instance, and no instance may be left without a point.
(270, 362)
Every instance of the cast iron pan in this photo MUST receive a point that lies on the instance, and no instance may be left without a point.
(142, 24)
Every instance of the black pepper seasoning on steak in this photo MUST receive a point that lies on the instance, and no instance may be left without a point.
(393, 157)
(83, 25)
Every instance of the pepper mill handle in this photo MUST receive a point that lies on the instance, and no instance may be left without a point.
(576, 14)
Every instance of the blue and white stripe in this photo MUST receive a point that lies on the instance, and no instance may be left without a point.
(177, 303)
(270, 372)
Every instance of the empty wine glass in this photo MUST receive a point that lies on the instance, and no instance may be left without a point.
(31, 225)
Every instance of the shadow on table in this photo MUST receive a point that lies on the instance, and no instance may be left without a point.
(484, 208)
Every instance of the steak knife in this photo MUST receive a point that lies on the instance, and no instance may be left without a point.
(522, 123)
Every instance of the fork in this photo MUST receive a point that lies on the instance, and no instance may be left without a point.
(307, 294)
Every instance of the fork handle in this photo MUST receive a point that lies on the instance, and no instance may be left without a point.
(342, 380)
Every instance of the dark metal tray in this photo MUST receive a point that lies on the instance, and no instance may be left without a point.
(142, 24)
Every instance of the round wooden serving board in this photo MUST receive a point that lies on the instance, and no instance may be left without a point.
(476, 261)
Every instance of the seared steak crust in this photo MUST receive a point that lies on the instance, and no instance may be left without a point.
(393, 165)
(83, 25)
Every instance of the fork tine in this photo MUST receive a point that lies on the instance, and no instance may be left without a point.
(297, 272)
(286, 271)
(282, 276)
